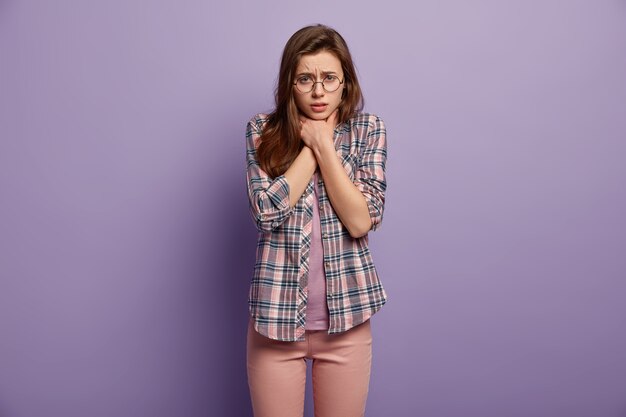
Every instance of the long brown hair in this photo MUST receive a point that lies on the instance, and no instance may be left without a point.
(280, 140)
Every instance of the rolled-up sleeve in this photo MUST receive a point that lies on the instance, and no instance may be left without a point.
(370, 176)
(269, 198)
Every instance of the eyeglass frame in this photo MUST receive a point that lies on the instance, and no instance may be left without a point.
(319, 82)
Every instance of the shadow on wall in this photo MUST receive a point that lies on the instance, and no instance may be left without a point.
(231, 237)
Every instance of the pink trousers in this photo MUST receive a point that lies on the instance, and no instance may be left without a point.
(340, 373)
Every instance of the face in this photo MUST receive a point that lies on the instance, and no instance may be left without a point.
(321, 66)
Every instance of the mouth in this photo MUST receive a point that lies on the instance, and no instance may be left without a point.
(319, 107)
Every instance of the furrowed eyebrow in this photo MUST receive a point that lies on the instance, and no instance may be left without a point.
(311, 74)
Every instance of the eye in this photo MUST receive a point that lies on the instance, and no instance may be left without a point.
(304, 79)
(331, 77)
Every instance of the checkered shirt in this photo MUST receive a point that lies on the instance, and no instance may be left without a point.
(277, 297)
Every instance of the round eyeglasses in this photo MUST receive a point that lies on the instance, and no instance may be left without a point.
(330, 83)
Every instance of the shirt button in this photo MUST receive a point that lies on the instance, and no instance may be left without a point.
(325, 235)
(327, 264)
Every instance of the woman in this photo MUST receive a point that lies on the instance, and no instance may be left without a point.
(316, 185)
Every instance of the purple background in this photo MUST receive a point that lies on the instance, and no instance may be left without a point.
(126, 247)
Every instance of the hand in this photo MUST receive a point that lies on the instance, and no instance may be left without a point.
(318, 133)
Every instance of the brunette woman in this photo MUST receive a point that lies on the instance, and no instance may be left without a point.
(316, 186)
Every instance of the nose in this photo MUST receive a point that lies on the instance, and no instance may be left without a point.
(318, 89)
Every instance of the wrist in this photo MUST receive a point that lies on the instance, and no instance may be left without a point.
(323, 151)
(322, 145)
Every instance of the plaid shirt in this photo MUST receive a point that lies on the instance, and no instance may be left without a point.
(278, 291)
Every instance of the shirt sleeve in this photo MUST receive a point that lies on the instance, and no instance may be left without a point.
(370, 176)
(268, 198)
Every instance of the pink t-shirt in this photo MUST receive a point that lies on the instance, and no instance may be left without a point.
(316, 308)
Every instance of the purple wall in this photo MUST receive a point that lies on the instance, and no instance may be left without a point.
(126, 247)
